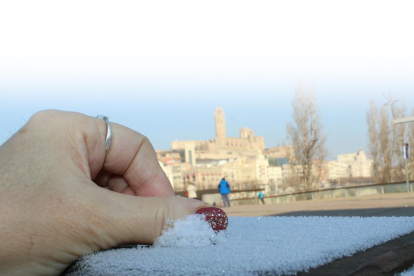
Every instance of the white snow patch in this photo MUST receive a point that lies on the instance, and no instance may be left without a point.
(194, 231)
(408, 272)
(249, 246)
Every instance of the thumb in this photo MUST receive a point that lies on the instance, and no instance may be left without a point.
(140, 220)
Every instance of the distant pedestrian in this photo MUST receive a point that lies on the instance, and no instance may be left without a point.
(192, 189)
(261, 196)
(224, 189)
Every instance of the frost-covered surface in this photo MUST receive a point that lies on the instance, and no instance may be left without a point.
(408, 272)
(250, 245)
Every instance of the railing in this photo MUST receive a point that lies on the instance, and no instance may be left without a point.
(332, 193)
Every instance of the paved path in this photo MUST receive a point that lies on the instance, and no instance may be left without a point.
(378, 205)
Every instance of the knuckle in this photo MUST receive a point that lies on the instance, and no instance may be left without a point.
(38, 122)
(44, 116)
(43, 121)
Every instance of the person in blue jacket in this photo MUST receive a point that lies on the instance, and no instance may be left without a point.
(261, 196)
(224, 189)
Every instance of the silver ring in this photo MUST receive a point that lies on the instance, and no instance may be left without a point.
(108, 132)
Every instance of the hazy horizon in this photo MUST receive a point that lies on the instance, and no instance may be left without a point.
(162, 68)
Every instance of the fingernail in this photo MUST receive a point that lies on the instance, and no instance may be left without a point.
(216, 217)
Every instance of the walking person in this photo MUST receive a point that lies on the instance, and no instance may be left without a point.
(192, 189)
(224, 189)
(261, 196)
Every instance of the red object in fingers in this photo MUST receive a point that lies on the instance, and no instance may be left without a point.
(216, 217)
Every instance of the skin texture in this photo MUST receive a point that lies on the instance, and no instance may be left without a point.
(61, 198)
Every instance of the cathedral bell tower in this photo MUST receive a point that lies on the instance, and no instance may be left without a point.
(220, 121)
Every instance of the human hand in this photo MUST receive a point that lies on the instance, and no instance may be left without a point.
(52, 210)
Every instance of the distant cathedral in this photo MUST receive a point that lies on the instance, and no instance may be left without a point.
(220, 121)
(223, 146)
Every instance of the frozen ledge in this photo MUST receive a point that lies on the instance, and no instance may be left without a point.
(250, 246)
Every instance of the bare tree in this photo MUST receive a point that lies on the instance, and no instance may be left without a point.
(307, 139)
(374, 142)
(410, 139)
(385, 143)
(293, 183)
(399, 139)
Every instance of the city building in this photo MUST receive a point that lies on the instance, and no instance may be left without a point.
(280, 152)
(337, 170)
(246, 164)
(275, 176)
(168, 170)
(358, 164)
(203, 177)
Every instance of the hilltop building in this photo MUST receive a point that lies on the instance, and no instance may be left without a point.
(246, 163)
(278, 152)
(222, 147)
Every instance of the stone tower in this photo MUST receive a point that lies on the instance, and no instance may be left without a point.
(190, 155)
(220, 120)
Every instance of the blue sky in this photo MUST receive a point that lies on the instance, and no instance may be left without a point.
(161, 69)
